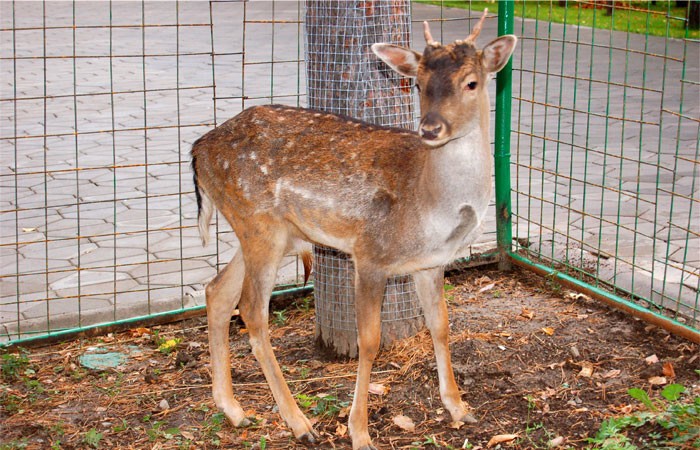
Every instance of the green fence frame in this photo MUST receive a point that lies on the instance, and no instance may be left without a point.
(509, 144)
(674, 314)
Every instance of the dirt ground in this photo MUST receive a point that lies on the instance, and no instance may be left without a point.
(533, 360)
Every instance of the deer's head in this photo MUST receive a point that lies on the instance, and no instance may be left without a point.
(451, 80)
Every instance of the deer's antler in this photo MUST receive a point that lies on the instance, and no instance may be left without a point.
(477, 29)
(429, 37)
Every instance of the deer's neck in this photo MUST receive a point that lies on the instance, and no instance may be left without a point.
(455, 194)
(462, 169)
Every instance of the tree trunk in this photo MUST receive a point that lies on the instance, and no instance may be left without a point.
(344, 76)
(694, 15)
(609, 6)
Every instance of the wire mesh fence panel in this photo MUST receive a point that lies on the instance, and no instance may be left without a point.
(100, 104)
(101, 101)
(605, 151)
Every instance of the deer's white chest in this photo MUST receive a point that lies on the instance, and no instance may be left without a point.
(453, 218)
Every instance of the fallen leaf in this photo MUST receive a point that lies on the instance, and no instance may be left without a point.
(668, 370)
(658, 381)
(626, 409)
(488, 287)
(526, 313)
(405, 423)
(574, 352)
(547, 393)
(652, 359)
(586, 370)
(501, 438)
(556, 442)
(613, 373)
(577, 296)
(187, 435)
(138, 332)
(341, 430)
(344, 412)
(377, 389)
(549, 331)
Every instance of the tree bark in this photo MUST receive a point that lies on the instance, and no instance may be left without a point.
(344, 76)
(694, 15)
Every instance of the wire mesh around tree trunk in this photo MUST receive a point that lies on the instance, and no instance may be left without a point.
(344, 76)
(334, 295)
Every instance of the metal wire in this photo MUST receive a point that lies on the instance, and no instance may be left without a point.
(343, 77)
(334, 291)
(606, 158)
(342, 74)
(100, 108)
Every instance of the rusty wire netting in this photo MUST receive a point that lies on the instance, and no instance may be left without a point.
(97, 210)
(100, 104)
(345, 77)
(342, 73)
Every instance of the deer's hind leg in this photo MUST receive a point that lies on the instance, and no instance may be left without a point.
(223, 294)
(264, 248)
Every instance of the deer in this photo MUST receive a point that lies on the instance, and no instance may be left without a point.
(396, 201)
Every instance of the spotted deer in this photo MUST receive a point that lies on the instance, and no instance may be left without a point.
(396, 201)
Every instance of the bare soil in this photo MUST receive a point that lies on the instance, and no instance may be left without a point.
(533, 360)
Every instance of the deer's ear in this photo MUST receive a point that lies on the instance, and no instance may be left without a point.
(497, 53)
(402, 60)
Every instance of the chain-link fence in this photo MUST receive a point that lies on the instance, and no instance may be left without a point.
(101, 101)
(605, 157)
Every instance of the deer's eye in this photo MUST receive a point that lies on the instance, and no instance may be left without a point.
(472, 85)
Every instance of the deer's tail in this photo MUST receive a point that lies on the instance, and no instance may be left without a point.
(205, 207)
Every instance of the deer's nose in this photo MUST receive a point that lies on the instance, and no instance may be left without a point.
(432, 127)
(430, 132)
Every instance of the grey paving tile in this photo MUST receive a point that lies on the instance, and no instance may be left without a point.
(572, 172)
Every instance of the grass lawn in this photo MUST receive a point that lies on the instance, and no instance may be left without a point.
(662, 19)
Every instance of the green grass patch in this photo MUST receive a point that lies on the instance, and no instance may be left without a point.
(641, 17)
(670, 421)
(322, 405)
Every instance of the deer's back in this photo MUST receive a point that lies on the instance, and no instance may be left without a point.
(309, 165)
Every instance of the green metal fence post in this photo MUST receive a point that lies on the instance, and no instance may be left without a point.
(504, 90)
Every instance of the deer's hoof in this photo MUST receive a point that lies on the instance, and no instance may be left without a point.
(308, 438)
(468, 418)
(245, 422)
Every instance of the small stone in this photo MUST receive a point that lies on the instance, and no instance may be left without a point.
(163, 405)
(574, 352)
(556, 442)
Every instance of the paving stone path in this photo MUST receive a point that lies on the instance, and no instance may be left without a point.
(99, 225)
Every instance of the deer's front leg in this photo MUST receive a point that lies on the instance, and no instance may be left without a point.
(429, 287)
(369, 289)
(223, 294)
